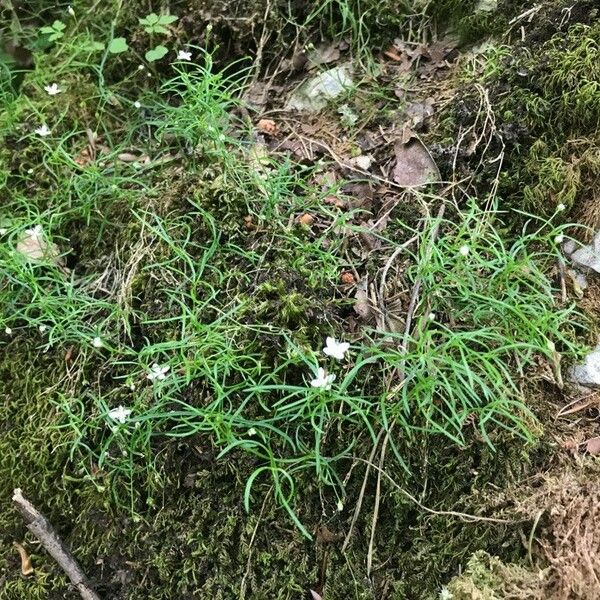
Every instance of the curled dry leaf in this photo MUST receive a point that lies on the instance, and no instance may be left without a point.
(26, 566)
(593, 446)
(362, 306)
(268, 126)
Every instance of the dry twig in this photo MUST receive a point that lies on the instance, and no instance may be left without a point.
(44, 532)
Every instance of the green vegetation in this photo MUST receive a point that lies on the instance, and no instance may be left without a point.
(164, 308)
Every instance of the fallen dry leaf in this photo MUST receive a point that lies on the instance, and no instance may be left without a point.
(335, 201)
(593, 445)
(414, 165)
(324, 54)
(325, 535)
(268, 126)
(128, 157)
(392, 53)
(362, 306)
(26, 566)
(34, 246)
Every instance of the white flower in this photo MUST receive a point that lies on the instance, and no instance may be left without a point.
(251, 432)
(43, 131)
(97, 342)
(53, 89)
(43, 328)
(464, 250)
(431, 316)
(8, 331)
(29, 171)
(158, 372)
(559, 239)
(36, 232)
(335, 349)
(340, 506)
(322, 380)
(137, 104)
(120, 414)
(446, 594)
(70, 10)
(560, 207)
(3, 230)
(183, 55)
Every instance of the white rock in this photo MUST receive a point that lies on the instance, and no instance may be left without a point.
(588, 373)
(313, 95)
(588, 256)
(363, 161)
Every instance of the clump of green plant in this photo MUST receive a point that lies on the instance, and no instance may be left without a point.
(547, 120)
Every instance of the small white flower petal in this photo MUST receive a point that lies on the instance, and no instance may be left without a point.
(446, 594)
(70, 10)
(53, 89)
(431, 316)
(184, 55)
(43, 328)
(251, 432)
(340, 506)
(97, 342)
(335, 349)
(8, 331)
(137, 104)
(464, 250)
(120, 414)
(158, 372)
(561, 207)
(3, 231)
(322, 380)
(559, 239)
(43, 131)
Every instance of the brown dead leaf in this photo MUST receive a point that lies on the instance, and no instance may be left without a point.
(362, 306)
(324, 54)
(26, 566)
(335, 201)
(326, 536)
(414, 165)
(34, 246)
(593, 446)
(268, 126)
(249, 223)
(393, 54)
(128, 157)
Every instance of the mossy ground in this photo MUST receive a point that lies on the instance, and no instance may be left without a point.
(176, 526)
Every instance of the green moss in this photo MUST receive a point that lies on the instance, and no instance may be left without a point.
(486, 577)
(544, 99)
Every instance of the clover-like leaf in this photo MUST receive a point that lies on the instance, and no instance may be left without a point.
(154, 23)
(156, 53)
(118, 45)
